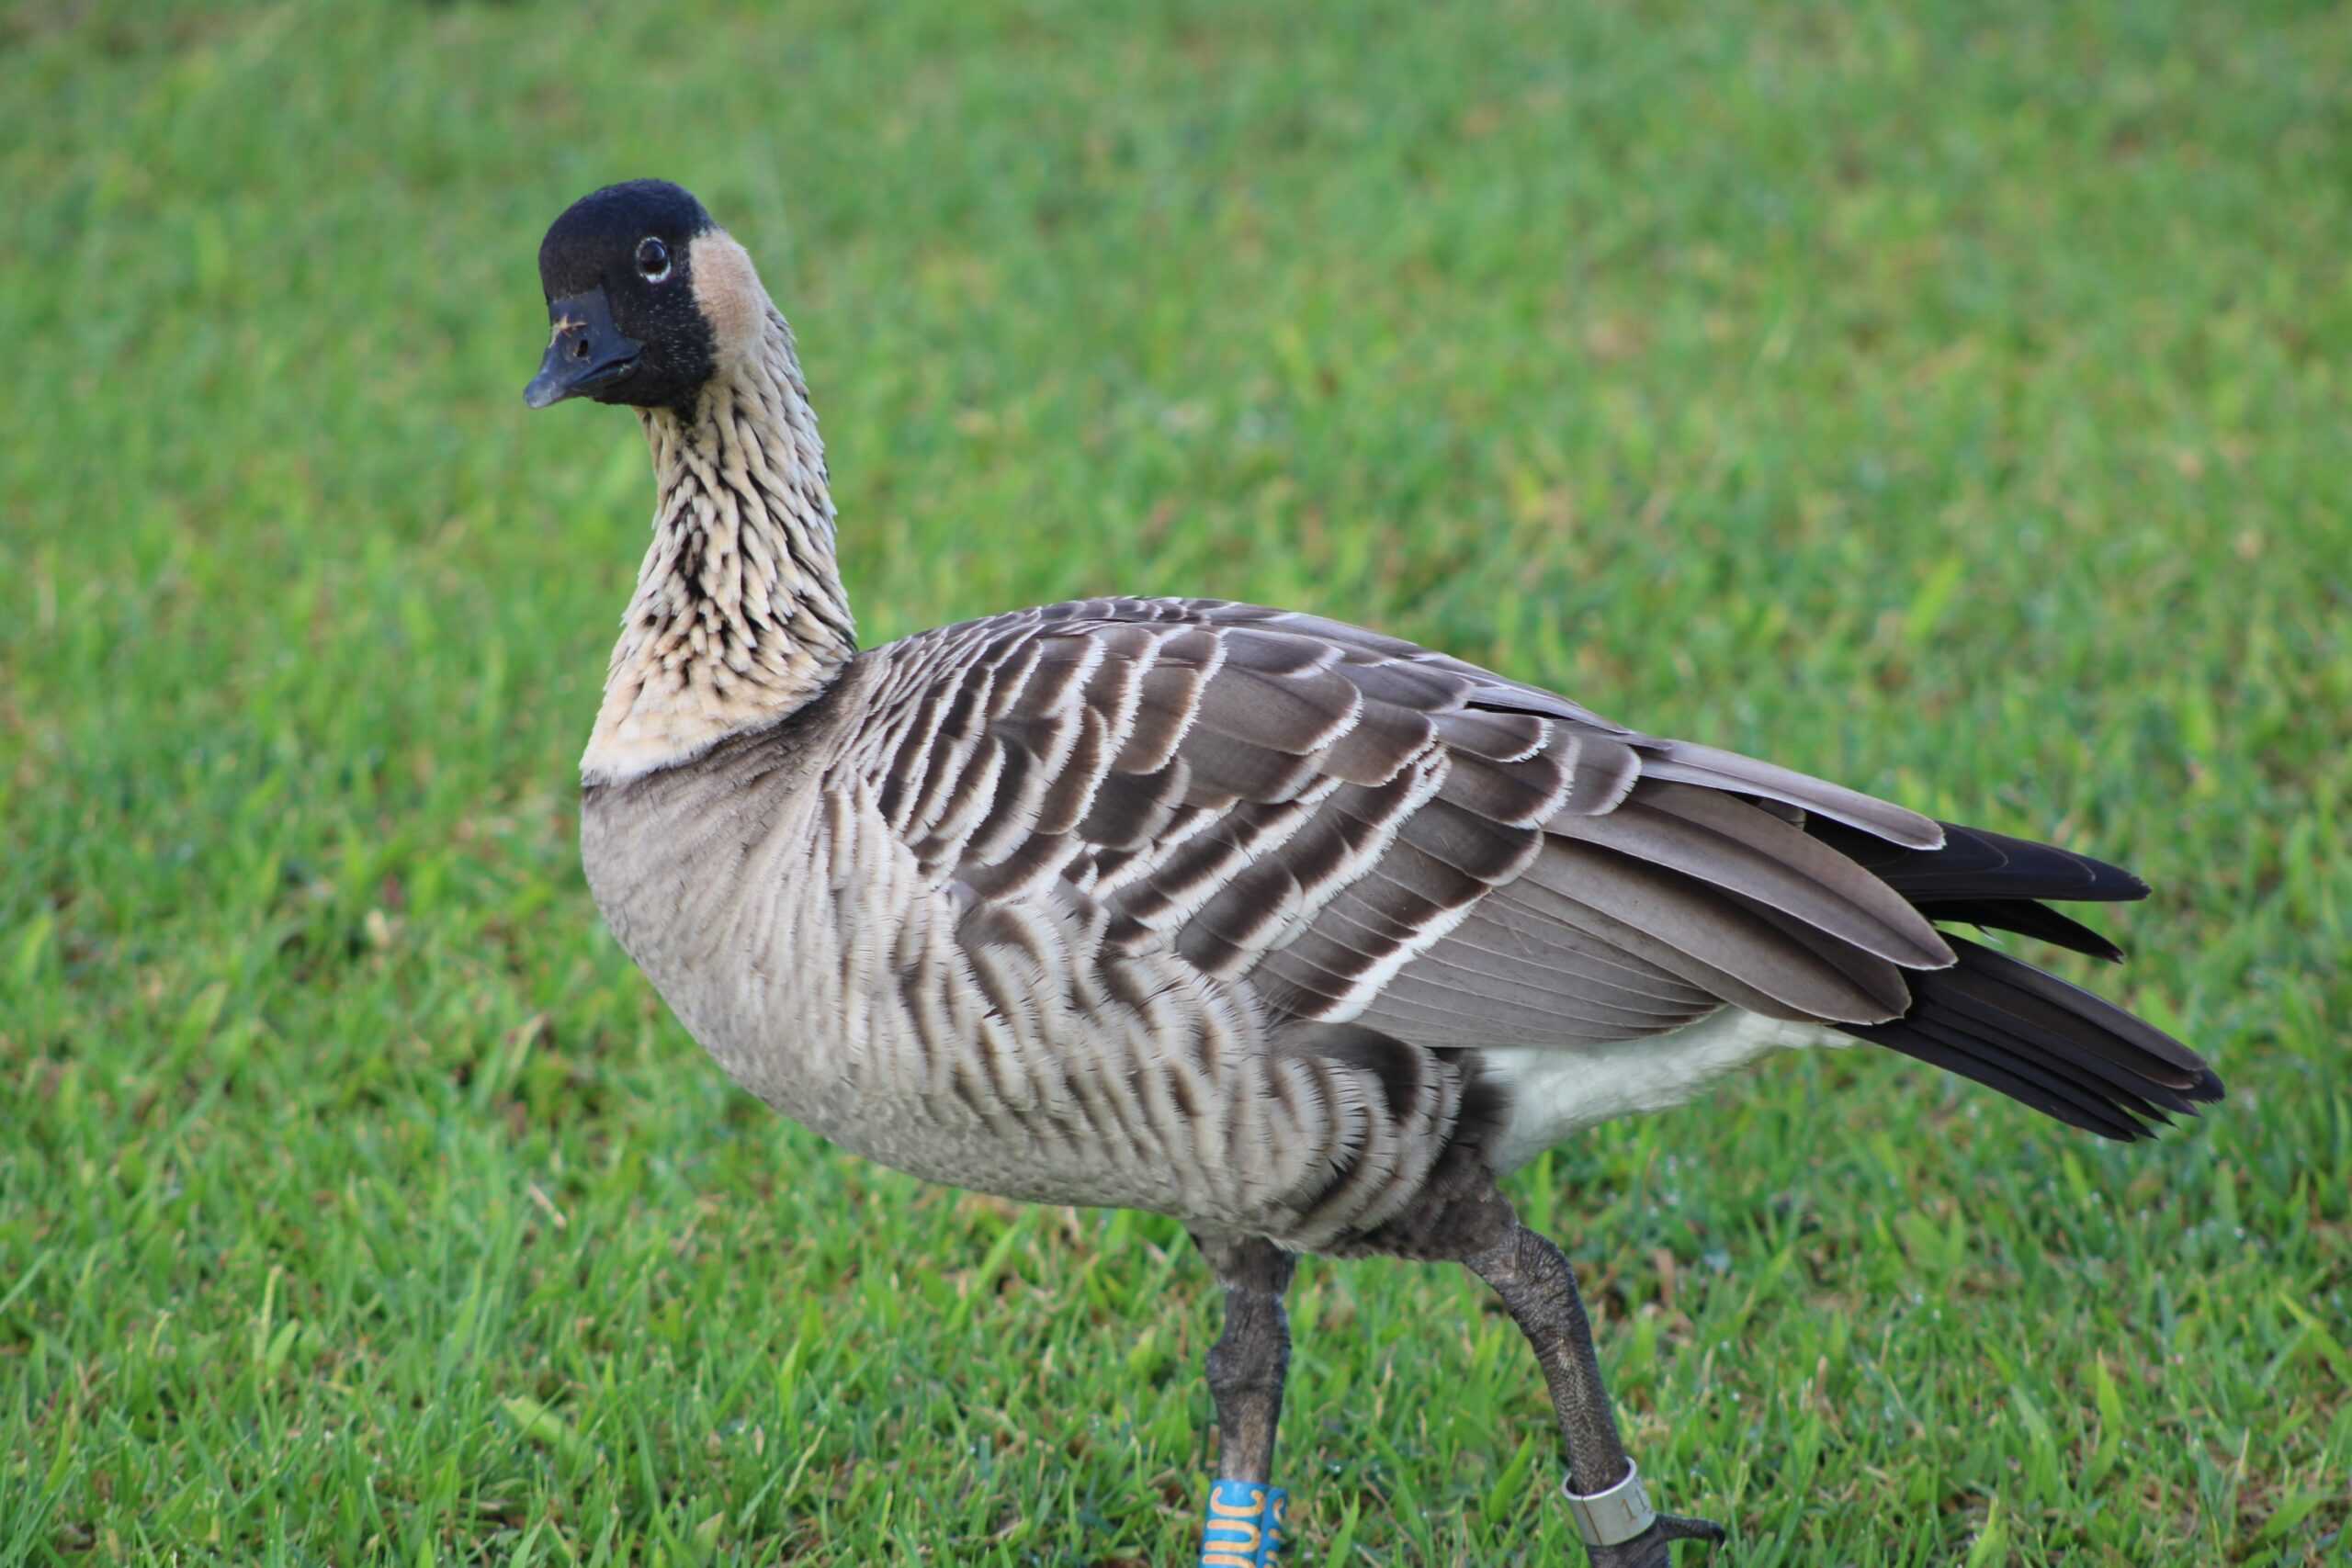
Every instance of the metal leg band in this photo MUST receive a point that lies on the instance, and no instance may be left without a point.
(1245, 1528)
(1614, 1516)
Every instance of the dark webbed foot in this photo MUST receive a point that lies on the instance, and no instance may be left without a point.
(1620, 1529)
(1654, 1547)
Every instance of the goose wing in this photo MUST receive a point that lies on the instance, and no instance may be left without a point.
(1357, 828)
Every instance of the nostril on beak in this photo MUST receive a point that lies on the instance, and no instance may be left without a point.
(580, 348)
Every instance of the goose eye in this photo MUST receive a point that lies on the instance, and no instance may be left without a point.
(653, 260)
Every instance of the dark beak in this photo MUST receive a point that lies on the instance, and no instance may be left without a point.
(586, 354)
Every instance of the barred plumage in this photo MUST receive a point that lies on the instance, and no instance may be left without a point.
(1094, 876)
(1288, 929)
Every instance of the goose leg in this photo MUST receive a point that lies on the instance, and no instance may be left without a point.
(1613, 1514)
(1246, 1368)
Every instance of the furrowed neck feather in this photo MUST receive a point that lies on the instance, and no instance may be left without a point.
(739, 618)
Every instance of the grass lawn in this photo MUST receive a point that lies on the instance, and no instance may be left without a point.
(1954, 401)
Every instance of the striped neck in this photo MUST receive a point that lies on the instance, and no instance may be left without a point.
(739, 618)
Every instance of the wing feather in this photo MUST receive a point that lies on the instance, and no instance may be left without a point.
(1353, 827)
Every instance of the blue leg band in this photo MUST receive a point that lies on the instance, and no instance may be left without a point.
(1245, 1528)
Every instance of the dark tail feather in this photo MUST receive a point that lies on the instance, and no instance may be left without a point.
(1993, 881)
(2005, 1023)
(2047, 1043)
(1974, 863)
(2025, 917)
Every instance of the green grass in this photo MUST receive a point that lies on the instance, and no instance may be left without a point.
(1953, 401)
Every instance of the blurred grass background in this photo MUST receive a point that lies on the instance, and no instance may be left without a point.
(1950, 398)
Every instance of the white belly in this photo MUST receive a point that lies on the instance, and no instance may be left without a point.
(1556, 1090)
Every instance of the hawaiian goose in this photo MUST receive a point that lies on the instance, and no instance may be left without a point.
(1297, 932)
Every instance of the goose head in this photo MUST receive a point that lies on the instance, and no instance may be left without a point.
(648, 299)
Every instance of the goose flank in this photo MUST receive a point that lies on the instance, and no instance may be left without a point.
(1300, 933)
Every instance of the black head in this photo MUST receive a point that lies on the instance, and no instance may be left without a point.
(618, 272)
